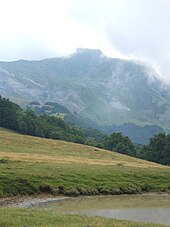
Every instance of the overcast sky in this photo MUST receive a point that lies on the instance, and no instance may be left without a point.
(135, 29)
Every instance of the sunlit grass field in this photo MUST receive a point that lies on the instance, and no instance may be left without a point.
(32, 165)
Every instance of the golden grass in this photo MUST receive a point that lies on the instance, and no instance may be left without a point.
(18, 147)
(36, 158)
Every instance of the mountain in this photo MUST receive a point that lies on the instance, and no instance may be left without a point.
(137, 134)
(104, 90)
(55, 109)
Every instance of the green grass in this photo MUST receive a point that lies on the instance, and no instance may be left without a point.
(31, 165)
(27, 217)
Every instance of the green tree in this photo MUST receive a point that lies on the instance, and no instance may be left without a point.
(28, 123)
(9, 114)
(158, 149)
(166, 158)
(122, 144)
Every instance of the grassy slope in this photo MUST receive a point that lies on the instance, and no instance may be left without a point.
(31, 165)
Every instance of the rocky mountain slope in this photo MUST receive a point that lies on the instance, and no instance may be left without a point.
(105, 90)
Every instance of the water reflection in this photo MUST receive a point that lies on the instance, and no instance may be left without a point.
(142, 208)
(153, 215)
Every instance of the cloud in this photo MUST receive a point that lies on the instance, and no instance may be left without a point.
(137, 29)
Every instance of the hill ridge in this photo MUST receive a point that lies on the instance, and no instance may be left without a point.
(105, 90)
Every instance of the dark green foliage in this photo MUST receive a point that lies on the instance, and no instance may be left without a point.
(9, 114)
(4, 161)
(55, 109)
(72, 192)
(136, 133)
(49, 127)
(158, 149)
(47, 108)
(26, 122)
(94, 137)
(34, 103)
(117, 142)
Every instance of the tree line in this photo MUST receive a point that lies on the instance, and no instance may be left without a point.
(158, 149)
(13, 117)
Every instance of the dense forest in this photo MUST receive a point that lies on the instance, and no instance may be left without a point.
(13, 117)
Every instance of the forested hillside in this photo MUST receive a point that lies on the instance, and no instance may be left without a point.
(26, 122)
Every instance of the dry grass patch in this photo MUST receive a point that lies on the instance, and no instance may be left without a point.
(33, 149)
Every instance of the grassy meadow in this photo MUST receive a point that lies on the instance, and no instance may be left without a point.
(32, 165)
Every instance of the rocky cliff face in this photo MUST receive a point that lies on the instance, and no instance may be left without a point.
(105, 90)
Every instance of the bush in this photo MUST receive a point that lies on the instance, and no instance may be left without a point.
(116, 191)
(83, 191)
(46, 189)
(4, 161)
(104, 191)
(72, 192)
(93, 192)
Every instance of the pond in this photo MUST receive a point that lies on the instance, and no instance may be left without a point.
(154, 208)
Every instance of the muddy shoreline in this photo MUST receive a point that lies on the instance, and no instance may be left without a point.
(30, 201)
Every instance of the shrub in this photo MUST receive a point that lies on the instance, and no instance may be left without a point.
(72, 192)
(4, 161)
(83, 191)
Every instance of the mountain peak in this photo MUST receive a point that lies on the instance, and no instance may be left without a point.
(96, 52)
(105, 90)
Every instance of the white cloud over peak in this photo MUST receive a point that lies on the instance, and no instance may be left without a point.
(138, 29)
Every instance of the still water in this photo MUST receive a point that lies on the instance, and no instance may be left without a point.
(141, 208)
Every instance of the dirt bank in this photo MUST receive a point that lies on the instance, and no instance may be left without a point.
(28, 201)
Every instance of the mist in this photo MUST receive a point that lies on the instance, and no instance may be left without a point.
(130, 29)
